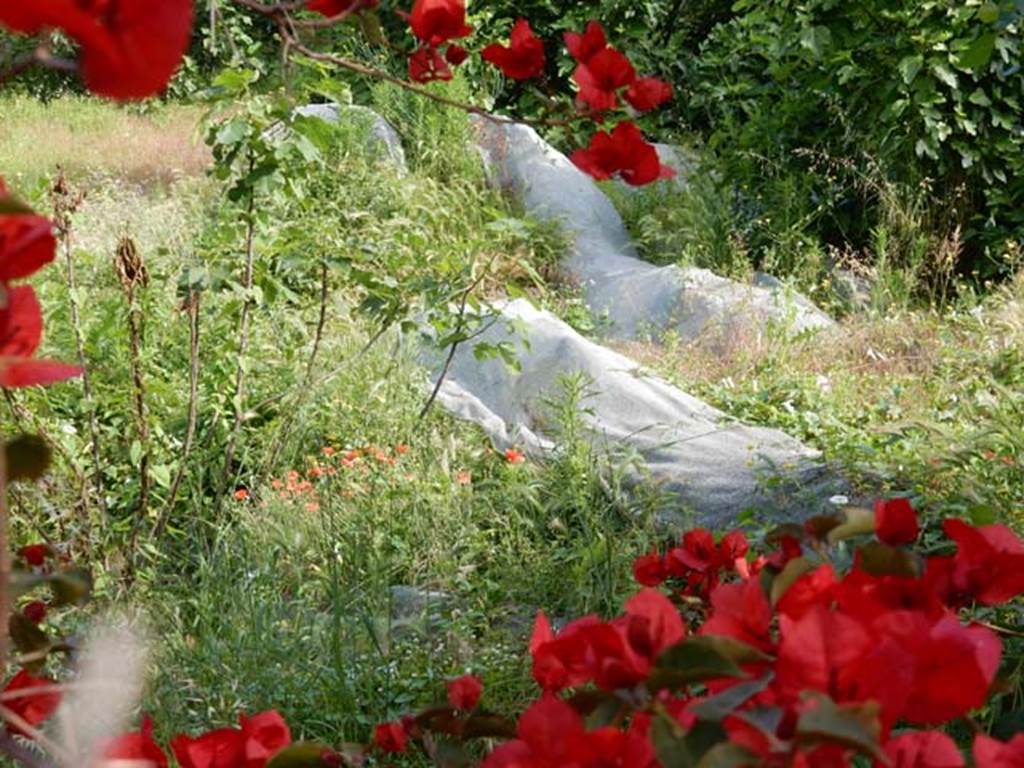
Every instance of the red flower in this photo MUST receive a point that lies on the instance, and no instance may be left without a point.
(523, 58)
(988, 566)
(455, 54)
(649, 570)
(437, 21)
(35, 554)
(263, 736)
(241, 494)
(647, 93)
(601, 76)
(34, 708)
(560, 661)
(130, 49)
(812, 589)
(741, 611)
(137, 746)
(426, 64)
(26, 242)
(623, 152)
(332, 8)
(923, 749)
(895, 521)
(222, 748)
(21, 331)
(513, 456)
(464, 692)
(592, 41)
(989, 753)
(35, 611)
(390, 737)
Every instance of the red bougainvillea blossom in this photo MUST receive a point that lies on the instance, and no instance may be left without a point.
(33, 708)
(895, 521)
(129, 49)
(991, 753)
(623, 152)
(332, 8)
(390, 737)
(464, 692)
(523, 58)
(35, 611)
(988, 566)
(601, 77)
(923, 749)
(21, 331)
(136, 746)
(35, 554)
(647, 93)
(426, 64)
(251, 745)
(436, 22)
(27, 243)
(583, 46)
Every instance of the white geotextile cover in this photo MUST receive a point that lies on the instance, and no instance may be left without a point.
(636, 297)
(715, 467)
(382, 135)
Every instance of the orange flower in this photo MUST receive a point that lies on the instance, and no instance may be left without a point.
(312, 506)
(328, 451)
(513, 456)
(463, 477)
(401, 449)
(241, 494)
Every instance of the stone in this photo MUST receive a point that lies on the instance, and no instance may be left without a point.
(634, 297)
(382, 137)
(712, 467)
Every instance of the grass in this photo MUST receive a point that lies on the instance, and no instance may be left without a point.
(285, 597)
(92, 138)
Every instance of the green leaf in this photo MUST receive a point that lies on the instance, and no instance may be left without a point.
(302, 755)
(979, 54)
(27, 637)
(728, 755)
(946, 75)
(815, 39)
(70, 587)
(855, 726)
(12, 205)
(909, 66)
(669, 742)
(28, 458)
(858, 522)
(988, 13)
(701, 658)
(794, 569)
(880, 559)
(718, 707)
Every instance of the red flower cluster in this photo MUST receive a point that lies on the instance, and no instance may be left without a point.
(623, 152)
(603, 72)
(129, 49)
(523, 58)
(887, 648)
(26, 245)
(32, 699)
(698, 563)
(252, 745)
(436, 23)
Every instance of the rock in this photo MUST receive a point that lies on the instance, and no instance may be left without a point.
(637, 298)
(713, 466)
(413, 607)
(853, 290)
(382, 136)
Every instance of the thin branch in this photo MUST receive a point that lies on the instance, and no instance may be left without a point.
(325, 287)
(459, 326)
(65, 201)
(243, 338)
(192, 307)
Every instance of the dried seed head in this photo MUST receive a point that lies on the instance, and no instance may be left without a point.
(131, 270)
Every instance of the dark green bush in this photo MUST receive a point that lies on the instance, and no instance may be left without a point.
(857, 98)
